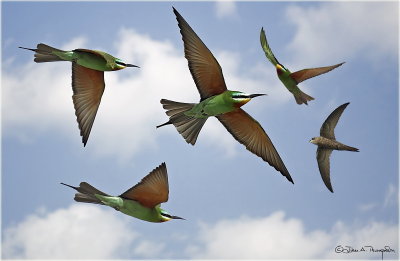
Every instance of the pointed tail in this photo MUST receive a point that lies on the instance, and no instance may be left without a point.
(349, 148)
(44, 53)
(86, 193)
(188, 127)
(302, 97)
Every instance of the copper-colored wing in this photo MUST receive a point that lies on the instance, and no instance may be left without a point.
(88, 87)
(205, 70)
(152, 189)
(328, 127)
(324, 166)
(249, 132)
(305, 74)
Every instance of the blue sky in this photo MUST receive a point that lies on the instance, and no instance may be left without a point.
(235, 204)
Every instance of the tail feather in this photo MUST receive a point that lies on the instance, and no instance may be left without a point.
(302, 97)
(349, 148)
(79, 197)
(44, 53)
(86, 188)
(188, 127)
(44, 48)
(86, 193)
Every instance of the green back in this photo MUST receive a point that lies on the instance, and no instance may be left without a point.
(96, 60)
(215, 105)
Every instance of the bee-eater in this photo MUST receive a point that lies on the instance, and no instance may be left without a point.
(289, 79)
(88, 67)
(142, 201)
(216, 100)
(327, 142)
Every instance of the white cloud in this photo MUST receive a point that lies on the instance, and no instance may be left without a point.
(225, 8)
(37, 98)
(336, 31)
(277, 237)
(80, 231)
(86, 231)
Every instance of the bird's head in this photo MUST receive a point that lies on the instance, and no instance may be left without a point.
(164, 216)
(313, 140)
(241, 98)
(121, 65)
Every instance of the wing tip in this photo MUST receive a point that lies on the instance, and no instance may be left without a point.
(329, 187)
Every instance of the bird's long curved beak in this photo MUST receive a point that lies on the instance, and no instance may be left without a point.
(251, 96)
(131, 65)
(176, 217)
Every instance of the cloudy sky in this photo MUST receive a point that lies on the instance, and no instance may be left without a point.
(236, 205)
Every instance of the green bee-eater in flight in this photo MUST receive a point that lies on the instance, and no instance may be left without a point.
(327, 143)
(142, 201)
(88, 67)
(289, 79)
(217, 100)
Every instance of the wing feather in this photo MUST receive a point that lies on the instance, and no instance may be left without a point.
(328, 127)
(305, 74)
(249, 132)
(267, 50)
(152, 189)
(323, 156)
(205, 69)
(88, 87)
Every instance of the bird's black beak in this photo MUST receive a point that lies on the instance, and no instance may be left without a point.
(176, 217)
(131, 65)
(251, 96)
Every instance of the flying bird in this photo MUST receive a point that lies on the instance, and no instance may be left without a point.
(289, 79)
(142, 201)
(88, 67)
(327, 142)
(217, 100)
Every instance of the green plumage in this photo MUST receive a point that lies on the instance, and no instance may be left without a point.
(216, 100)
(88, 67)
(189, 118)
(289, 79)
(141, 201)
(215, 105)
(133, 208)
(92, 59)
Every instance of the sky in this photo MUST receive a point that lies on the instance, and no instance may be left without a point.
(234, 203)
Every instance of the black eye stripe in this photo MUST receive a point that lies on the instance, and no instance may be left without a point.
(120, 63)
(166, 215)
